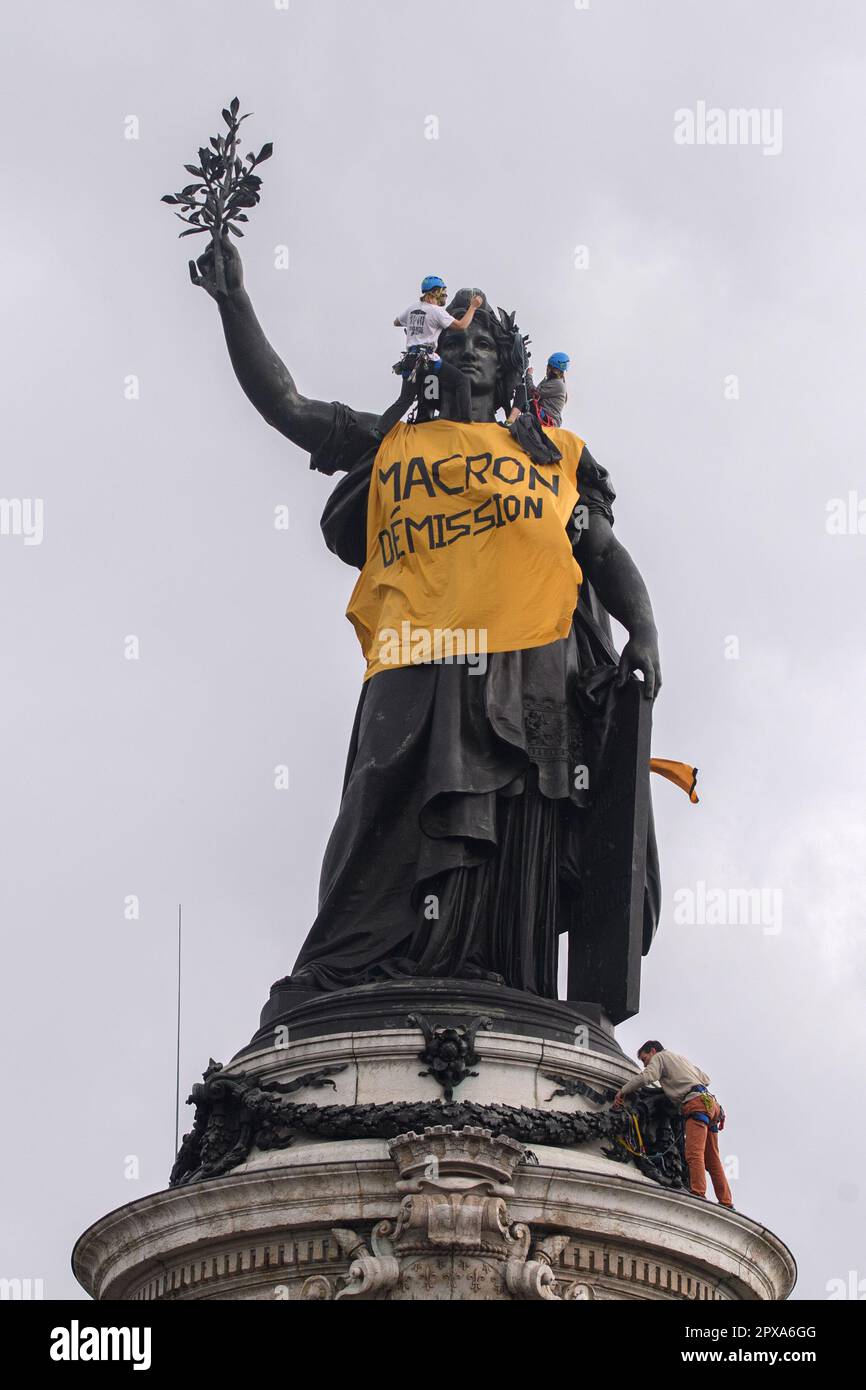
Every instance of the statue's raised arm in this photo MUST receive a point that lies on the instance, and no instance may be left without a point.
(261, 372)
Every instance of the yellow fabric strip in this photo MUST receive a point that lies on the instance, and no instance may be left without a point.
(681, 774)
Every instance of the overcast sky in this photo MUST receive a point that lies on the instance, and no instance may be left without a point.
(714, 321)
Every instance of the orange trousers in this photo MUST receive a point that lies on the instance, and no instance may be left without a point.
(702, 1153)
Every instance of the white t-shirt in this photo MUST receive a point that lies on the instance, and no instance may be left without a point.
(423, 323)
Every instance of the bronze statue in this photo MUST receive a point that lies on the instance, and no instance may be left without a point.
(464, 841)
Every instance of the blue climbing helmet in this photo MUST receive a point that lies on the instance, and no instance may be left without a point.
(559, 360)
(432, 282)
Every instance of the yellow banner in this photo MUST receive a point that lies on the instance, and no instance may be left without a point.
(467, 550)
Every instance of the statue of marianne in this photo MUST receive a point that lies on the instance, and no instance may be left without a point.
(457, 848)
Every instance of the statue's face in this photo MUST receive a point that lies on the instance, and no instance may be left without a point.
(474, 352)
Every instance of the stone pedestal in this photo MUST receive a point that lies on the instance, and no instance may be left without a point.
(402, 1142)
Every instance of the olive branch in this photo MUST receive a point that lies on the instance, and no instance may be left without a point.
(227, 186)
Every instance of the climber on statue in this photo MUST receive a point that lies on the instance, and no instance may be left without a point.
(547, 400)
(423, 321)
(703, 1117)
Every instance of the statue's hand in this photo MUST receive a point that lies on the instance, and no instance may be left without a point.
(203, 272)
(641, 653)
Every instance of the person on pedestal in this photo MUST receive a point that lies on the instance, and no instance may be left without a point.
(686, 1085)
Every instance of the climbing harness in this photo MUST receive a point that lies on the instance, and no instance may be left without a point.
(415, 361)
(713, 1115)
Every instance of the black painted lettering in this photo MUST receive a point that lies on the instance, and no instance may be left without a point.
(417, 476)
(535, 476)
(393, 471)
(500, 472)
(478, 473)
(425, 524)
(484, 518)
(443, 487)
(387, 554)
(457, 528)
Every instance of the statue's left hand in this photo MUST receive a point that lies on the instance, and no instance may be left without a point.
(641, 653)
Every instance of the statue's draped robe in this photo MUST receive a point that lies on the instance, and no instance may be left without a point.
(457, 845)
